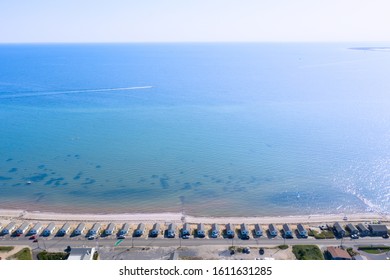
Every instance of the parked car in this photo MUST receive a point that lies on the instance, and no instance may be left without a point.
(246, 250)
(261, 251)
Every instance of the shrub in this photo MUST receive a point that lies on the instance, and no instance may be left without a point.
(307, 252)
(52, 256)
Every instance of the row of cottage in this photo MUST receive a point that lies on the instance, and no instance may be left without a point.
(154, 232)
(244, 233)
(360, 230)
(24, 228)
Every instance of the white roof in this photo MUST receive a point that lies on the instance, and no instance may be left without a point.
(84, 254)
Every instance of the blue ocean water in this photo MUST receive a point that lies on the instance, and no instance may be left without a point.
(203, 129)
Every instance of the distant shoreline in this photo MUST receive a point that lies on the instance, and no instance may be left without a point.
(6, 215)
(378, 49)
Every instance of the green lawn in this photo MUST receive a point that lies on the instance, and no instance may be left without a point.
(6, 248)
(24, 254)
(375, 249)
(325, 234)
(307, 252)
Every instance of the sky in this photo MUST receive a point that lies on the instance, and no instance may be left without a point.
(26, 21)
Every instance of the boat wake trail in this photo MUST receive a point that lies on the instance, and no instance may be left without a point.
(48, 93)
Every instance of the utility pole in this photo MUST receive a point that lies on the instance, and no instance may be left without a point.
(97, 244)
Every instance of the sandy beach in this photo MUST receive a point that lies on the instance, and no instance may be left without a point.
(7, 215)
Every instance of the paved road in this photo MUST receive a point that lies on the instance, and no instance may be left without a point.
(61, 243)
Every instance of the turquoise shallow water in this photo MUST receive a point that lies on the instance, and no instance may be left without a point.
(214, 129)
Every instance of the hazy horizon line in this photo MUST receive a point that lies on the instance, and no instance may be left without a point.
(185, 42)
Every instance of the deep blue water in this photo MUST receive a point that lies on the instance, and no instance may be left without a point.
(204, 129)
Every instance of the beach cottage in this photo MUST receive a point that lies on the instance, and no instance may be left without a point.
(140, 230)
(273, 231)
(186, 230)
(171, 231)
(258, 230)
(287, 231)
(378, 229)
(301, 231)
(214, 230)
(155, 230)
(124, 230)
(244, 230)
(36, 229)
(64, 230)
(22, 229)
(363, 230)
(338, 230)
(94, 230)
(229, 231)
(200, 232)
(8, 229)
(49, 229)
(80, 229)
(352, 229)
(110, 229)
